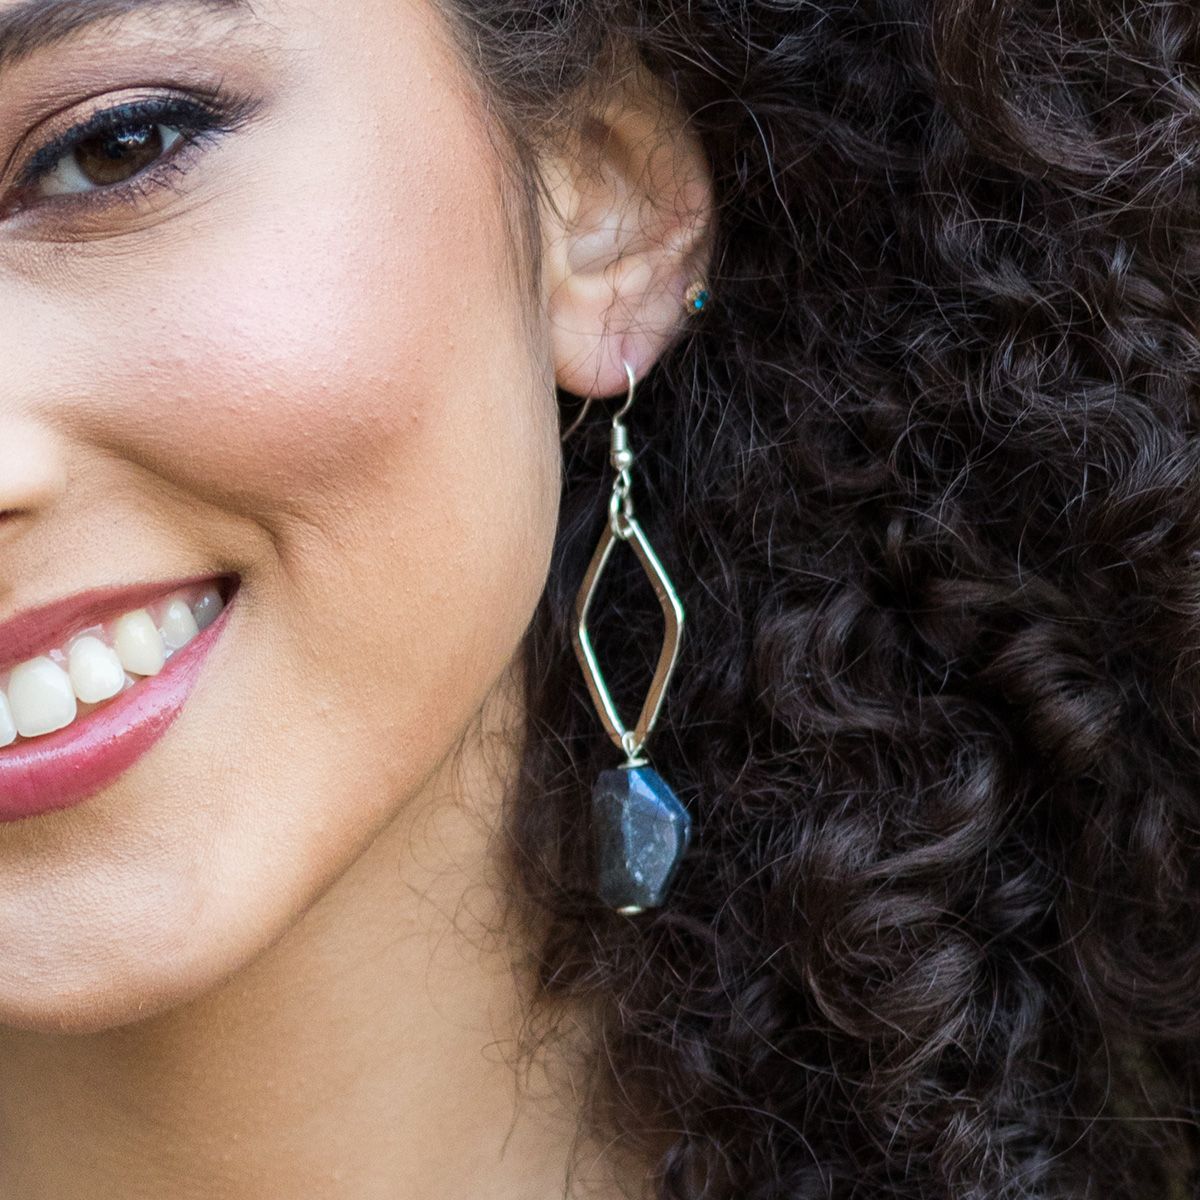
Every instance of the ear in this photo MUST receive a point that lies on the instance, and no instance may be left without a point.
(626, 231)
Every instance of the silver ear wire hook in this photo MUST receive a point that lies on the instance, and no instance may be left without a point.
(632, 376)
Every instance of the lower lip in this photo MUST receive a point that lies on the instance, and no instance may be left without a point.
(65, 768)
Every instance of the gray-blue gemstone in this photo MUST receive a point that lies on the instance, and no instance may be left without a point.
(641, 832)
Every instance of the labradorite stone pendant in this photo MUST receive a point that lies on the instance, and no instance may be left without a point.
(641, 831)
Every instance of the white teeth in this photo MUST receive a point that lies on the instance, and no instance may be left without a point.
(97, 664)
(41, 697)
(8, 728)
(138, 643)
(95, 670)
(208, 607)
(178, 625)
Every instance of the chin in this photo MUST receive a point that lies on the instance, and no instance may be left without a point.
(89, 995)
(142, 952)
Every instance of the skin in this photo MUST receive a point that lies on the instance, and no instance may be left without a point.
(274, 958)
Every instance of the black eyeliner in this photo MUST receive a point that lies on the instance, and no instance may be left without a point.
(191, 116)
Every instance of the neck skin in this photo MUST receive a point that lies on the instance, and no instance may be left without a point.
(369, 1054)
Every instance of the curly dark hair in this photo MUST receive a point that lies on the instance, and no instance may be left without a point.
(927, 476)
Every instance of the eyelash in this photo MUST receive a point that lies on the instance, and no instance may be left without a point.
(198, 121)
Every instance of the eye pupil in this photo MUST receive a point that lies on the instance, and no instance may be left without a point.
(114, 157)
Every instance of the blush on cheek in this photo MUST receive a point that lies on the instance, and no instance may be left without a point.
(293, 382)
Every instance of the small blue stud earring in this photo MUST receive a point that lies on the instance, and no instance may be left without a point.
(641, 829)
(696, 298)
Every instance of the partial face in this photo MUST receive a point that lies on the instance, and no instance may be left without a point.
(260, 328)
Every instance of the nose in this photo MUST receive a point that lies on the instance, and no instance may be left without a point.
(33, 475)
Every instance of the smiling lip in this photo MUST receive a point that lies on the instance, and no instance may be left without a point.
(67, 767)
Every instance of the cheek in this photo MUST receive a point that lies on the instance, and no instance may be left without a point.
(307, 353)
(338, 359)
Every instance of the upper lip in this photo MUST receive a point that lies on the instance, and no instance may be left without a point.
(36, 630)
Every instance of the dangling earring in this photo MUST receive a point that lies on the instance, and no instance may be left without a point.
(641, 829)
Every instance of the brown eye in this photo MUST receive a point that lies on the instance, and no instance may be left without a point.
(108, 158)
(126, 153)
(118, 155)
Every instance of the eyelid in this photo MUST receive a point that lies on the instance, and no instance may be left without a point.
(200, 116)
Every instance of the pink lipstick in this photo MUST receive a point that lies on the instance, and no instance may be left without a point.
(65, 768)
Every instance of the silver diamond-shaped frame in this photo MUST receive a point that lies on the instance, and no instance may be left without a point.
(672, 609)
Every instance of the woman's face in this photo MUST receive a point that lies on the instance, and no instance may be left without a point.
(291, 350)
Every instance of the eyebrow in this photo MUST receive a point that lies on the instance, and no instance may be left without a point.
(35, 24)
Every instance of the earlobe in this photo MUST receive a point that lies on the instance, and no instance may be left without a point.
(625, 234)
